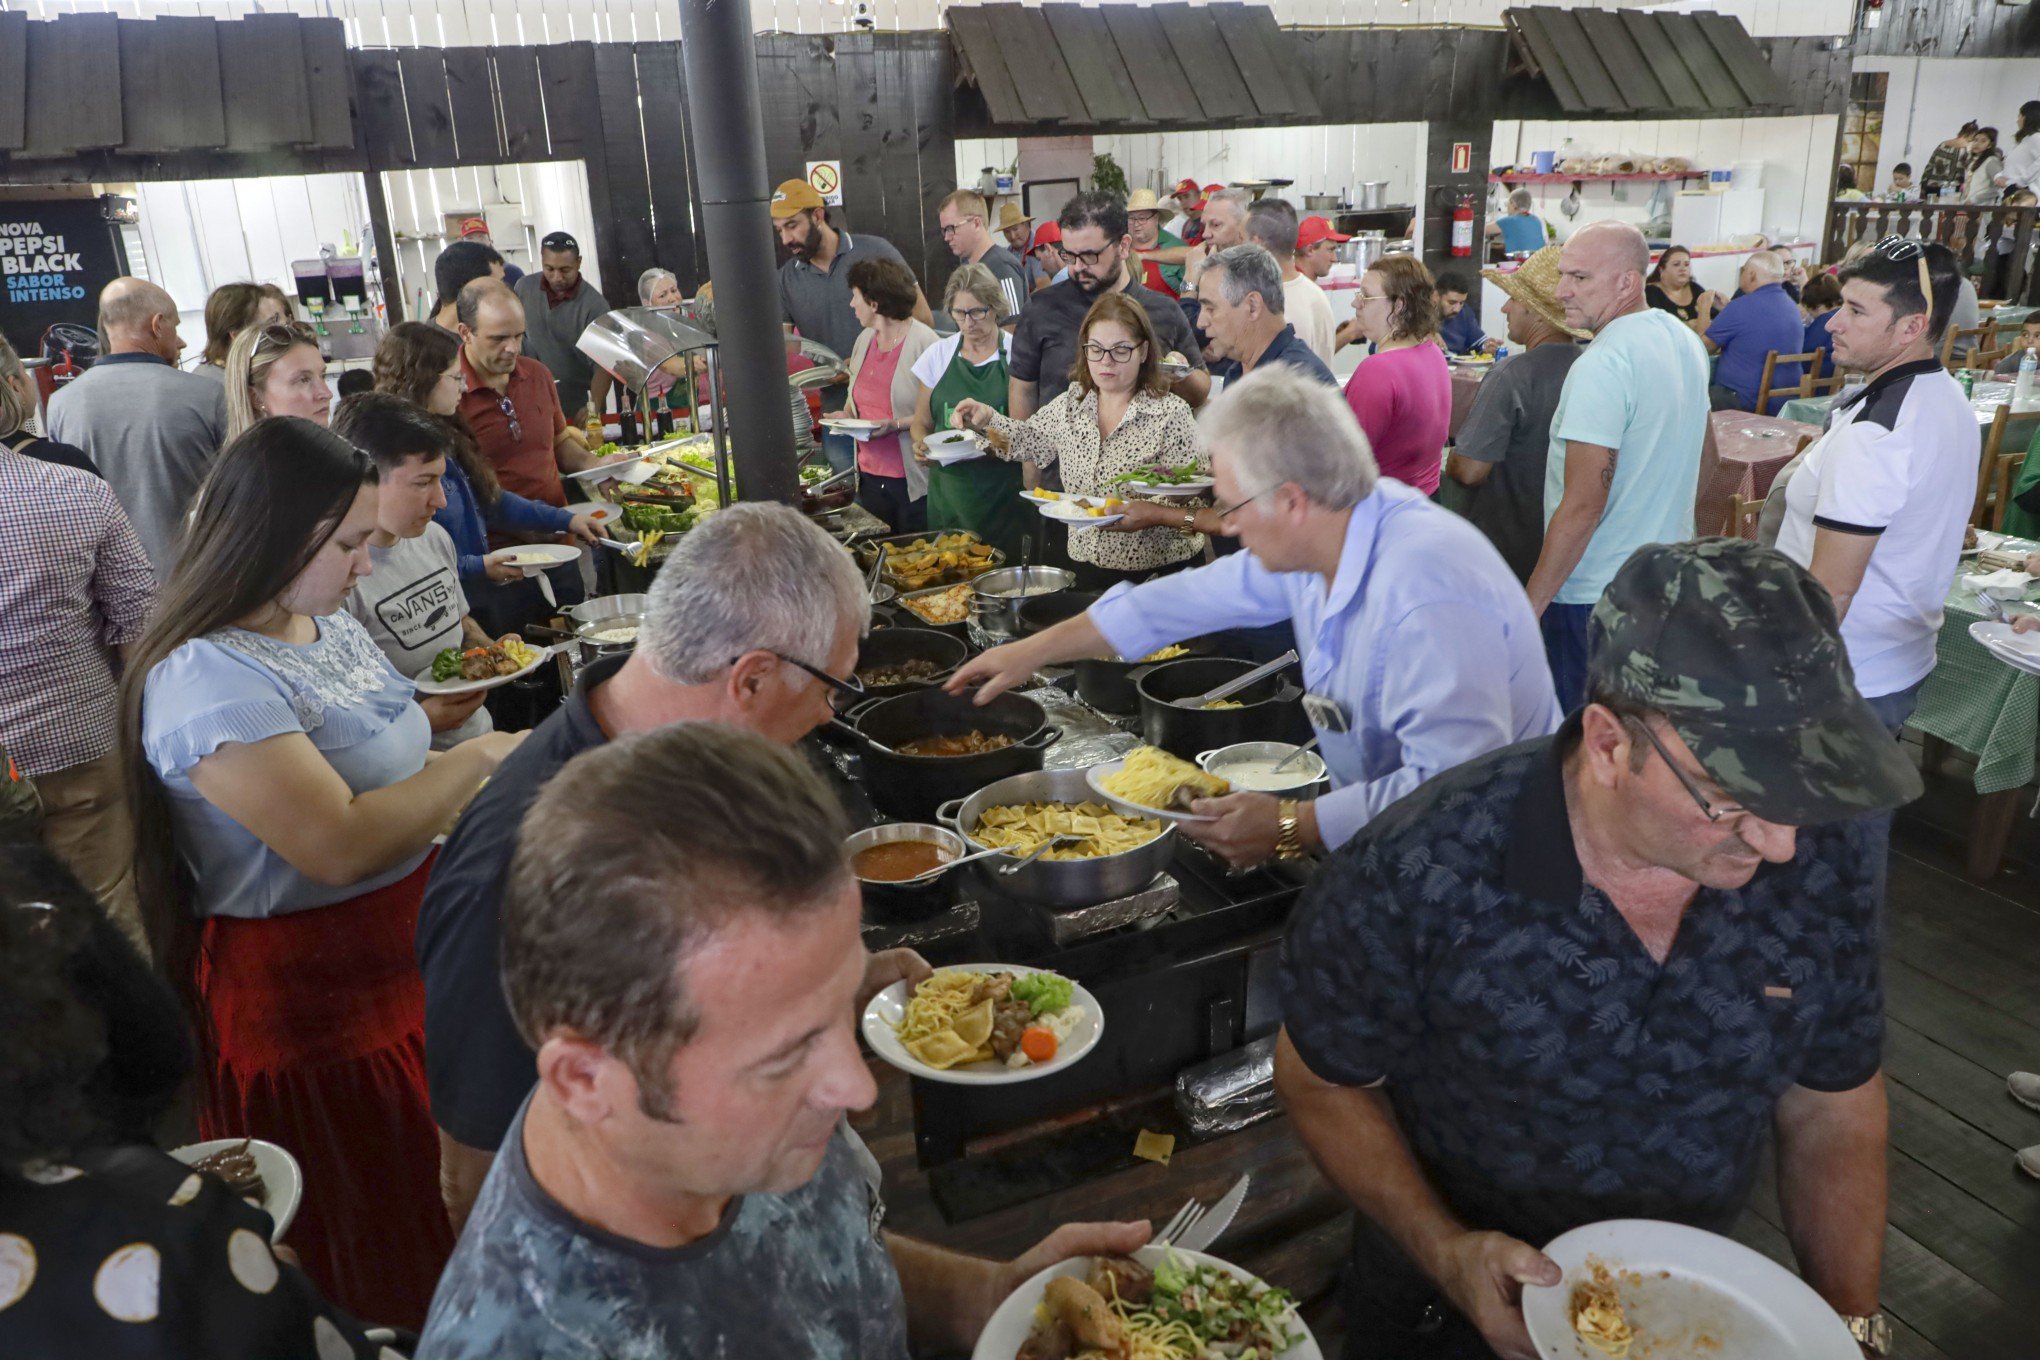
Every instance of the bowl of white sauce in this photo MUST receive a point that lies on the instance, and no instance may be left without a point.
(1249, 766)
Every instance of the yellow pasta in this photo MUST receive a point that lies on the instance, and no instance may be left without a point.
(941, 1027)
(1151, 776)
(1597, 1312)
(1023, 826)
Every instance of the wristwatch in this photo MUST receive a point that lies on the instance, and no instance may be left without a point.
(1873, 1333)
(1289, 839)
(1189, 521)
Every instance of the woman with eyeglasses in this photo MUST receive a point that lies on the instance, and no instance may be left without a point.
(1402, 392)
(276, 370)
(421, 364)
(1116, 416)
(981, 495)
(891, 483)
(286, 802)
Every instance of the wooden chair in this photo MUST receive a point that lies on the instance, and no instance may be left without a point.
(1960, 343)
(1771, 362)
(1986, 468)
(2008, 465)
(1743, 514)
(1988, 359)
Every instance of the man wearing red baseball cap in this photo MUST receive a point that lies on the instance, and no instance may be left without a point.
(477, 229)
(1317, 248)
(1181, 197)
(1044, 263)
(1191, 227)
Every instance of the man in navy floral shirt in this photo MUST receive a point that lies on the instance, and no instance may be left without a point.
(1581, 978)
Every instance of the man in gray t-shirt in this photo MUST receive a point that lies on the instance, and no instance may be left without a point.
(680, 1181)
(151, 430)
(558, 305)
(1500, 451)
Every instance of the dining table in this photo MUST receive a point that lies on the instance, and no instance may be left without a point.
(1751, 449)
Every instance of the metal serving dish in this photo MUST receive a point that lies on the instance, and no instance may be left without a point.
(996, 596)
(904, 901)
(892, 646)
(1308, 771)
(597, 616)
(868, 549)
(907, 618)
(1271, 709)
(1057, 883)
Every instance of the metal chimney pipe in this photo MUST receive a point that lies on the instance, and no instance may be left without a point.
(727, 133)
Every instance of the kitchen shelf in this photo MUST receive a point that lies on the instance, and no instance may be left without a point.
(1558, 178)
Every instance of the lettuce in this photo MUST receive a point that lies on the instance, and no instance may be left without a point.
(1042, 991)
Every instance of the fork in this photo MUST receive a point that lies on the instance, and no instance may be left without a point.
(1186, 1218)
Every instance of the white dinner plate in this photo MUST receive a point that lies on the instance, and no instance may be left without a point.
(633, 470)
(2021, 651)
(427, 685)
(1066, 511)
(954, 446)
(851, 425)
(537, 557)
(602, 512)
(1095, 776)
(1688, 1295)
(283, 1185)
(886, 1010)
(1014, 1318)
(1195, 487)
(1175, 372)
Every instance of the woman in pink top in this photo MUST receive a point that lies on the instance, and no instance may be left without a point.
(883, 389)
(1402, 393)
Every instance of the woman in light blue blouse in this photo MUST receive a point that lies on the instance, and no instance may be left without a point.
(286, 803)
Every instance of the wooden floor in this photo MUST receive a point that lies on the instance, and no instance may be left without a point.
(1962, 1253)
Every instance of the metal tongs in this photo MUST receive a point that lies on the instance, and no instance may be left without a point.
(1062, 841)
(823, 485)
(1238, 683)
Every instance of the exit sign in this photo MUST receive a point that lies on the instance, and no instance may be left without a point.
(1462, 157)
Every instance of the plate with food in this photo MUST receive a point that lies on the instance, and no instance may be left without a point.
(1149, 782)
(1636, 1287)
(1175, 367)
(1161, 1303)
(1088, 512)
(537, 557)
(954, 446)
(464, 670)
(852, 425)
(262, 1173)
(1163, 479)
(984, 1024)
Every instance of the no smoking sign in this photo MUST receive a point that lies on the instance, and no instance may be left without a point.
(826, 179)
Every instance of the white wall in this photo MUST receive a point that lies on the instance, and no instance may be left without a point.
(1796, 153)
(1926, 99)
(441, 22)
(523, 203)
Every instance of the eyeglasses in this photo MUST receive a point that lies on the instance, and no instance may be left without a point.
(1118, 354)
(955, 227)
(1372, 297)
(1086, 258)
(969, 314)
(1228, 511)
(510, 414)
(1686, 781)
(1899, 249)
(852, 687)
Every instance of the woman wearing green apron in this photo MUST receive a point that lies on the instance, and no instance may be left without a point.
(980, 494)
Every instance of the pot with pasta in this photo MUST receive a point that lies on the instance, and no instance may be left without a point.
(1119, 855)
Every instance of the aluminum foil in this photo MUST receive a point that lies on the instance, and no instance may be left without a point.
(1230, 1091)
(1158, 899)
(1088, 736)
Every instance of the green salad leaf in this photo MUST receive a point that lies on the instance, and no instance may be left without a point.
(446, 666)
(1042, 991)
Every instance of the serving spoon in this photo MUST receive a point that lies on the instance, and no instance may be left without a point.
(1057, 842)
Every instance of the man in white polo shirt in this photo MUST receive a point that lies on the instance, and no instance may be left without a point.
(1877, 507)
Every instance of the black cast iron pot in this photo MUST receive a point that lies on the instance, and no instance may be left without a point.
(912, 787)
(1104, 684)
(893, 646)
(1271, 708)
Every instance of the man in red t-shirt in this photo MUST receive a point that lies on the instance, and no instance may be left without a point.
(511, 402)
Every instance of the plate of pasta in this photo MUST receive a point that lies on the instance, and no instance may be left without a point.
(1639, 1289)
(1161, 1303)
(984, 1024)
(1149, 782)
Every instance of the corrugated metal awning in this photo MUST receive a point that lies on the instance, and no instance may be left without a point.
(1128, 66)
(1636, 61)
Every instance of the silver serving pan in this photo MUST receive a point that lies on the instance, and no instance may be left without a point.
(1057, 883)
(996, 596)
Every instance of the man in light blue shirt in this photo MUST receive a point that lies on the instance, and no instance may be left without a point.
(1413, 632)
(1630, 442)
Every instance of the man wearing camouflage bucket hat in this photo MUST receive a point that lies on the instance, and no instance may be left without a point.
(1581, 978)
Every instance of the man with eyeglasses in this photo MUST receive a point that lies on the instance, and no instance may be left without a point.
(511, 401)
(1589, 977)
(963, 220)
(754, 622)
(1096, 247)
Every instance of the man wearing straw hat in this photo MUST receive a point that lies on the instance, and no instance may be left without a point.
(1499, 453)
(1015, 226)
(1144, 222)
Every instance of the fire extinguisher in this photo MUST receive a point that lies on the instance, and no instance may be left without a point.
(1462, 227)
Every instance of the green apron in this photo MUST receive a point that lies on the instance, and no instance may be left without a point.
(2018, 521)
(982, 494)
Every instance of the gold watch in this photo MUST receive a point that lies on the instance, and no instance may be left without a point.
(1289, 841)
(1189, 521)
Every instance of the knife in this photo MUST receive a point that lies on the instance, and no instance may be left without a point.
(1220, 1218)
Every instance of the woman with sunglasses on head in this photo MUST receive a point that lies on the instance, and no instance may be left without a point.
(1116, 416)
(981, 495)
(285, 803)
(276, 370)
(421, 364)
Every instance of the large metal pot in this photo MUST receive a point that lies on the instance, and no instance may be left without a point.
(893, 646)
(1364, 250)
(1373, 194)
(1066, 883)
(1104, 683)
(910, 787)
(600, 615)
(888, 901)
(996, 596)
(1270, 709)
(1320, 203)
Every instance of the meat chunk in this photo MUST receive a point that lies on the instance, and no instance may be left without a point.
(1121, 1278)
(1050, 1340)
(1090, 1319)
(1009, 1019)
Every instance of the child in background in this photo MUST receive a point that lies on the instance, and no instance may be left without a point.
(1901, 183)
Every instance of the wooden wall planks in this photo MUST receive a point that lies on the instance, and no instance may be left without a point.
(262, 82)
(13, 79)
(70, 67)
(170, 85)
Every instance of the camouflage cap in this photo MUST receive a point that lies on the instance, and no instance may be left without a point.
(1739, 648)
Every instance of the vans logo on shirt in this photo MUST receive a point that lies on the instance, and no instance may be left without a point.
(420, 611)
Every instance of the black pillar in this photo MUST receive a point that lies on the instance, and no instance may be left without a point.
(729, 160)
(1444, 187)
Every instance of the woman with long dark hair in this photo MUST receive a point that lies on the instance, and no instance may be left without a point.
(285, 806)
(2022, 163)
(231, 309)
(1986, 167)
(421, 364)
(1669, 287)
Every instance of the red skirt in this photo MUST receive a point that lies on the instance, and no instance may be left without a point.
(319, 1025)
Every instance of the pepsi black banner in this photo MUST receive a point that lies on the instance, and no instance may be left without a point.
(55, 256)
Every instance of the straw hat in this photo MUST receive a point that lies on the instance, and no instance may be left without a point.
(1010, 216)
(1143, 200)
(1535, 284)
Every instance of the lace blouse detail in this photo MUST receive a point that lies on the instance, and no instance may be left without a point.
(340, 670)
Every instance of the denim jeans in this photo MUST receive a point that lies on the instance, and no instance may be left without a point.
(1892, 710)
(1565, 646)
(840, 450)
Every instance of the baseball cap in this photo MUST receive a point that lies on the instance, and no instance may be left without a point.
(796, 195)
(1213, 188)
(1185, 186)
(560, 240)
(1047, 234)
(1311, 230)
(1739, 648)
(473, 226)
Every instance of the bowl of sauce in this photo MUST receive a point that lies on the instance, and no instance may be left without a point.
(884, 857)
(1250, 767)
